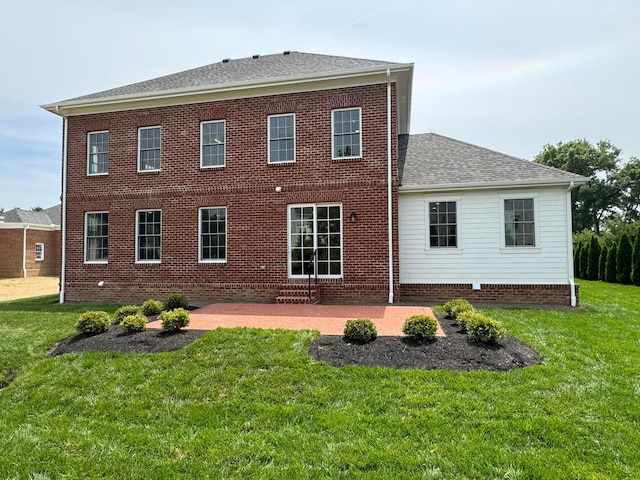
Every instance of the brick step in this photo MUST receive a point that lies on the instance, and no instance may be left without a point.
(297, 300)
(298, 294)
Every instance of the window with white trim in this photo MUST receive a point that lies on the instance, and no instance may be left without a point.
(98, 153)
(346, 134)
(213, 234)
(96, 237)
(39, 252)
(519, 222)
(148, 236)
(212, 144)
(149, 149)
(282, 138)
(443, 224)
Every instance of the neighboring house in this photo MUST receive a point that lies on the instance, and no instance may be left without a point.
(236, 180)
(30, 243)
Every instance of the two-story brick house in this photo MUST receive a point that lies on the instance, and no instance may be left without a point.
(226, 182)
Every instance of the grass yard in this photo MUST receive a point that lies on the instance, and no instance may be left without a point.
(246, 403)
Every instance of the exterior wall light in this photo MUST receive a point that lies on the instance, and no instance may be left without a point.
(278, 189)
(353, 217)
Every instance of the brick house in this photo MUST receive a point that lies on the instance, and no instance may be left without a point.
(30, 243)
(237, 180)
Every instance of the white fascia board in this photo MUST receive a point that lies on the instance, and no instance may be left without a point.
(490, 185)
(29, 226)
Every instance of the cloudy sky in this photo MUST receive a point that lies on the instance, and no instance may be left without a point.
(508, 75)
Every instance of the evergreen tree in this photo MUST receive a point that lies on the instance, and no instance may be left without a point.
(611, 264)
(602, 263)
(623, 260)
(635, 262)
(584, 260)
(576, 260)
(593, 256)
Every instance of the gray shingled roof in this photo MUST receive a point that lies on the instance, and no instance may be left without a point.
(262, 68)
(434, 160)
(49, 216)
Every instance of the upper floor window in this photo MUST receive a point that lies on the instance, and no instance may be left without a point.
(346, 133)
(519, 222)
(149, 149)
(96, 237)
(97, 153)
(443, 224)
(39, 252)
(212, 141)
(282, 138)
(148, 236)
(213, 234)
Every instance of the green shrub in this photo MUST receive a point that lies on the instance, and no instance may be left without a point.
(134, 323)
(151, 307)
(93, 322)
(623, 260)
(125, 311)
(584, 261)
(174, 320)
(464, 318)
(456, 307)
(175, 300)
(602, 263)
(593, 256)
(576, 259)
(610, 275)
(635, 261)
(484, 329)
(420, 327)
(360, 330)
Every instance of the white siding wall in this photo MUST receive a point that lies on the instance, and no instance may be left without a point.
(481, 256)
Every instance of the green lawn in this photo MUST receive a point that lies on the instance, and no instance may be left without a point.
(246, 403)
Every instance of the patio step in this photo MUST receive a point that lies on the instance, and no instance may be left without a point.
(298, 294)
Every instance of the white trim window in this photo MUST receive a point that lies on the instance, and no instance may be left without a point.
(212, 243)
(39, 252)
(346, 133)
(98, 153)
(519, 221)
(149, 149)
(442, 221)
(212, 144)
(148, 236)
(96, 237)
(282, 138)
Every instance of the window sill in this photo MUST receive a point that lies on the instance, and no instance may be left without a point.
(148, 262)
(97, 174)
(149, 171)
(275, 164)
(517, 250)
(347, 159)
(444, 251)
(212, 262)
(96, 263)
(213, 167)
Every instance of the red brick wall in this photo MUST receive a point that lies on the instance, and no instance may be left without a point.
(11, 244)
(256, 214)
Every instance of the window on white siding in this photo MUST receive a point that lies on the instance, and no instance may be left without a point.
(149, 149)
(282, 138)
(96, 237)
(213, 234)
(212, 140)
(519, 222)
(443, 224)
(97, 153)
(346, 133)
(39, 252)
(148, 236)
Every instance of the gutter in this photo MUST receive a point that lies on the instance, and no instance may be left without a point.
(572, 283)
(389, 188)
(63, 221)
(488, 186)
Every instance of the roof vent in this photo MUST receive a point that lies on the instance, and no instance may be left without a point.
(225, 60)
(286, 52)
(255, 56)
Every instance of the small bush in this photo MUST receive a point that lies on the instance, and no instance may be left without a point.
(134, 323)
(151, 307)
(465, 317)
(93, 322)
(175, 300)
(174, 320)
(125, 311)
(484, 329)
(420, 327)
(360, 330)
(456, 307)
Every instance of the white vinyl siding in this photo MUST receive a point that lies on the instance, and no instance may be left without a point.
(481, 255)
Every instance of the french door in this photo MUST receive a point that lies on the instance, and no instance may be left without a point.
(315, 228)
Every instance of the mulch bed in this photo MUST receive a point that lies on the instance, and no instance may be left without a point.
(453, 352)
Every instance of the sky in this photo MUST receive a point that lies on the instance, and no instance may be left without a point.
(508, 75)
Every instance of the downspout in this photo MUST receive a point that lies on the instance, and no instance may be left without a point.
(24, 251)
(389, 188)
(64, 204)
(572, 283)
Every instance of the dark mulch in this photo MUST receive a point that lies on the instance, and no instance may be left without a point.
(453, 352)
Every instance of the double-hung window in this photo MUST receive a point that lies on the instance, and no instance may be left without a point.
(149, 149)
(98, 153)
(39, 252)
(443, 224)
(213, 234)
(519, 222)
(346, 133)
(148, 236)
(96, 237)
(282, 138)
(212, 144)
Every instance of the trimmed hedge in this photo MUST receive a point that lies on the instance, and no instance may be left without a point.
(482, 328)
(93, 322)
(134, 323)
(420, 327)
(125, 311)
(457, 306)
(174, 320)
(360, 330)
(151, 307)
(175, 300)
